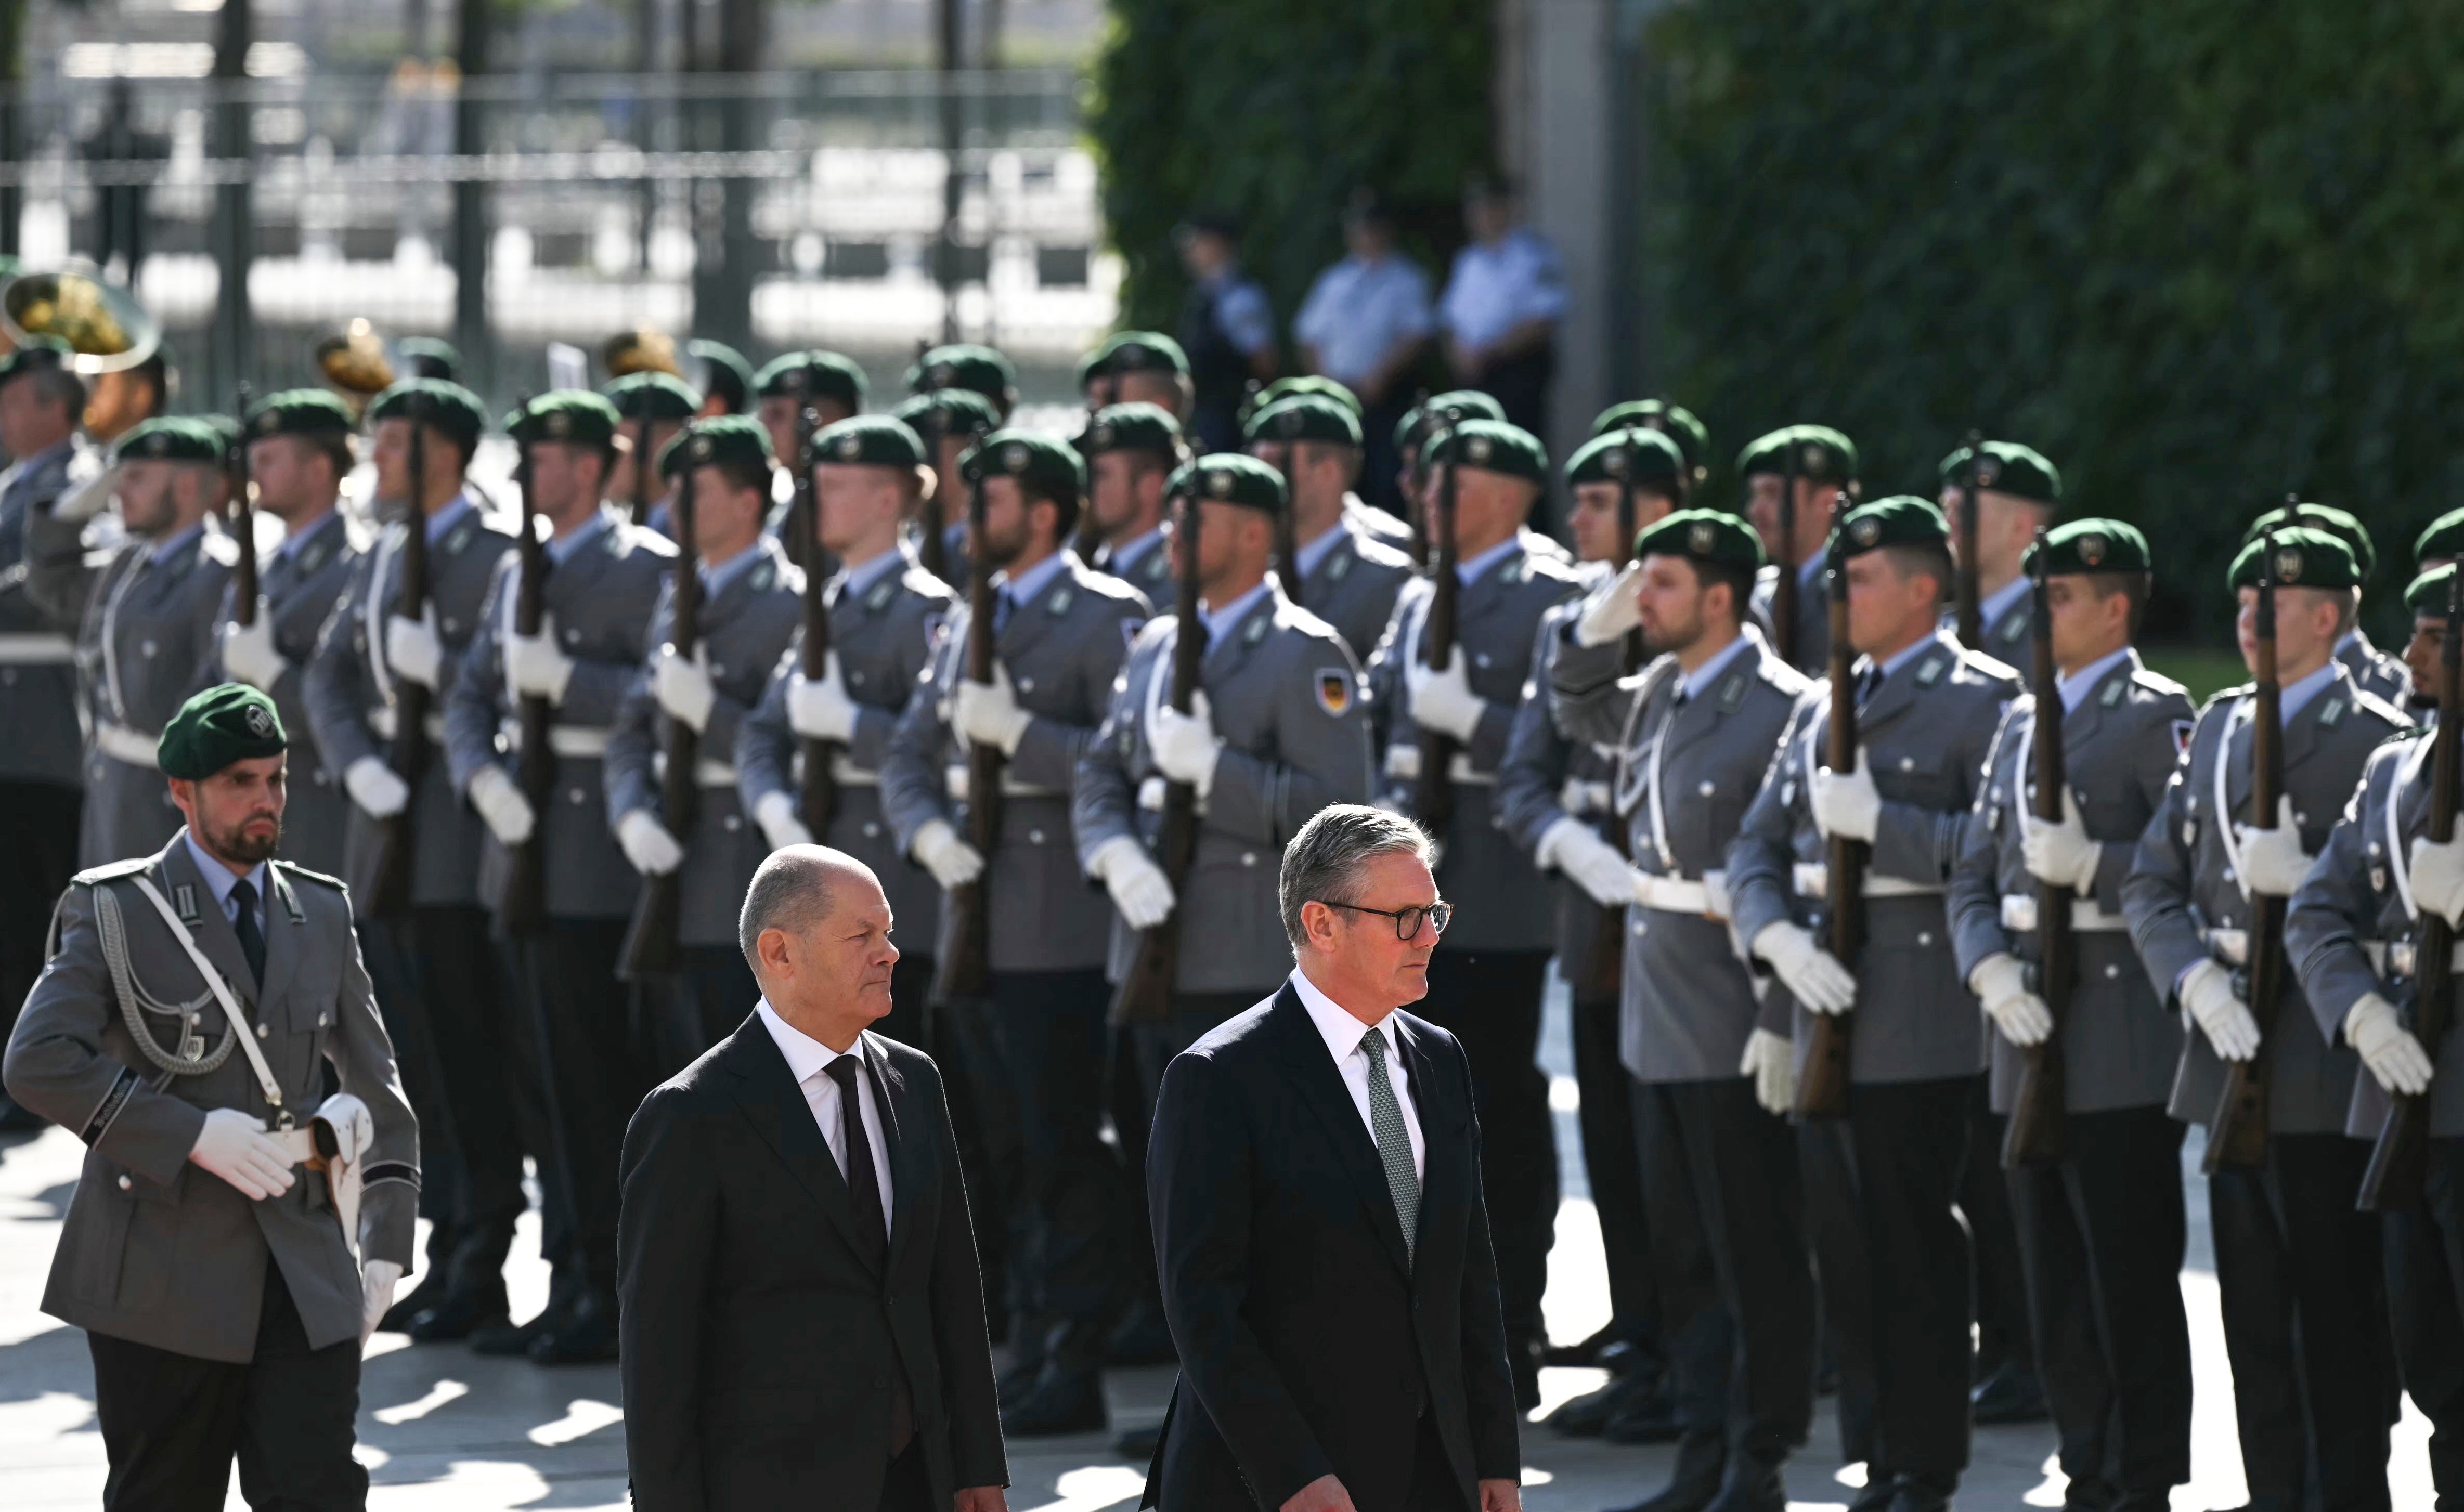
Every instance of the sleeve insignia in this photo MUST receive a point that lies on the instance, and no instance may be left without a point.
(1333, 691)
(2182, 739)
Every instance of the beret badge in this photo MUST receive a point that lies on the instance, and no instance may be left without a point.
(1613, 461)
(1014, 457)
(1811, 458)
(1476, 449)
(558, 422)
(849, 447)
(267, 422)
(1102, 435)
(260, 723)
(2091, 550)
(701, 449)
(1700, 539)
(1220, 483)
(2288, 565)
(1289, 422)
(1865, 532)
(1987, 470)
(942, 374)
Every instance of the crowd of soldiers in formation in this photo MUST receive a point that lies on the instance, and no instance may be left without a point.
(550, 737)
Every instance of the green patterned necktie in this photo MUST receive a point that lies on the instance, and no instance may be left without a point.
(1394, 1141)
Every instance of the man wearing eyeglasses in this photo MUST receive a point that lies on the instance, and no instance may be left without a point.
(1324, 1135)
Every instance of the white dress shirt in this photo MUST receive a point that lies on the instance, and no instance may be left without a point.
(1343, 1035)
(808, 1062)
(1496, 288)
(1358, 312)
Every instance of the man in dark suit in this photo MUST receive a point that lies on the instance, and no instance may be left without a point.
(789, 1333)
(1314, 1176)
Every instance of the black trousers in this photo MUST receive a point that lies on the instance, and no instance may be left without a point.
(701, 1004)
(1843, 1279)
(1490, 1000)
(593, 1072)
(2002, 1316)
(38, 834)
(1614, 1166)
(2300, 1280)
(173, 1423)
(2101, 1236)
(1066, 1214)
(1728, 1248)
(904, 1486)
(2424, 1262)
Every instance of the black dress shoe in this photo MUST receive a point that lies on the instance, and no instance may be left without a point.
(430, 1292)
(457, 1316)
(1139, 1445)
(1701, 1460)
(2010, 1394)
(1525, 1365)
(508, 1339)
(1647, 1417)
(1880, 1485)
(588, 1337)
(1588, 1351)
(1753, 1485)
(1584, 1416)
(1923, 1494)
(1142, 1338)
(1071, 1403)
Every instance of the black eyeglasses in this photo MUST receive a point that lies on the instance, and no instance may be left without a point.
(1407, 921)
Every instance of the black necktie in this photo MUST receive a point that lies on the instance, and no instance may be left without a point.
(252, 937)
(864, 1185)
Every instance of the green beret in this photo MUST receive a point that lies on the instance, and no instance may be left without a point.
(1229, 477)
(1692, 437)
(949, 412)
(2305, 557)
(725, 375)
(37, 354)
(225, 426)
(966, 365)
(1704, 534)
(2336, 522)
(1903, 519)
(427, 356)
(1133, 426)
(575, 416)
(716, 442)
(652, 396)
(227, 723)
(1470, 403)
(1040, 464)
(2006, 467)
(170, 438)
(1492, 445)
(1134, 352)
(1282, 388)
(2443, 537)
(826, 376)
(869, 441)
(302, 412)
(1820, 453)
(1304, 416)
(2427, 595)
(1647, 457)
(443, 404)
(2092, 545)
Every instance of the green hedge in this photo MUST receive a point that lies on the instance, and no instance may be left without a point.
(2198, 251)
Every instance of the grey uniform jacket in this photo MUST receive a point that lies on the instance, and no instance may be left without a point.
(600, 598)
(1925, 730)
(1150, 571)
(2182, 886)
(350, 695)
(2006, 637)
(1062, 650)
(2120, 747)
(2375, 672)
(37, 639)
(156, 1250)
(1500, 904)
(1354, 587)
(1813, 649)
(1377, 524)
(1546, 777)
(299, 589)
(146, 642)
(2351, 927)
(746, 628)
(1685, 774)
(1285, 696)
(884, 638)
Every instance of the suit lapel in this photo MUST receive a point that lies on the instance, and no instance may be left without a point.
(774, 1106)
(906, 1175)
(1321, 1085)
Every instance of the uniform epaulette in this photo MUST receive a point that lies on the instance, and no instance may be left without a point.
(304, 874)
(1988, 667)
(2224, 694)
(917, 579)
(1308, 622)
(2156, 682)
(1105, 584)
(1542, 547)
(2367, 702)
(109, 870)
(1539, 565)
(1369, 549)
(642, 538)
(220, 549)
(2407, 733)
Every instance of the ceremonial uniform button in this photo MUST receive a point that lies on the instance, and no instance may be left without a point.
(1248, 858)
(730, 824)
(1924, 936)
(2112, 972)
(1035, 837)
(146, 647)
(1708, 788)
(1480, 660)
(452, 625)
(854, 679)
(124, 1183)
(871, 829)
(577, 796)
(260, 1031)
(572, 637)
(1026, 685)
(1907, 763)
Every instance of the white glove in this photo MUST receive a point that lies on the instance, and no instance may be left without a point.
(413, 649)
(1848, 805)
(2207, 991)
(236, 1148)
(952, 861)
(2060, 851)
(648, 845)
(1138, 886)
(988, 714)
(2437, 875)
(502, 805)
(1184, 746)
(776, 814)
(2001, 984)
(1443, 701)
(87, 499)
(375, 787)
(821, 710)
(1812, 975)
(2273, 860)
(683, 688)
(2386, 1046)
(534, 667)
(376, 1282)
(248, 651)
(1771, 1060)
(1590, 863)
(1611, 612)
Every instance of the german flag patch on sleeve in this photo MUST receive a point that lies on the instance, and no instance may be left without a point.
(1334, 691)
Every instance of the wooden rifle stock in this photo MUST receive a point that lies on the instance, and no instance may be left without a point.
(408, 754)
(1784, 580)
(818, 788)
(932, 550)
(1822, 1086)
(1433, 794)
(2038, 1131)
(2237, 1131)
(523, 909)
(243, 520)
(644, 463)
(1145, 995)
(965, 970)
(1601, 973)
(650, 946)
(1089, 538)
(1969, 600)
(1288, 531)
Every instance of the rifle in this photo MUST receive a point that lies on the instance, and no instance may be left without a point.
(650, 947)
(391, 896)
(819, 797)
(2037, 1129)
(1784, 584)
(931, 552)
(1970, 598)
(1089, 538)
(523, 909)
(1601, 973)
(243, 520)
(2400, 1160)
(1145, 995)
(1288, 530)
(1417, 479)
(643, 463)
(1433, 798)
(965, 968)
(2237, 1131)
(1822, 1089)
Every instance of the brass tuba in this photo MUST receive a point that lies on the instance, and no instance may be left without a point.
(354, 363)
(643, 349)
(102, 323)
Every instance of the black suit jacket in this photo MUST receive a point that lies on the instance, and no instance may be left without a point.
(757, 1347)
(1308, 1345)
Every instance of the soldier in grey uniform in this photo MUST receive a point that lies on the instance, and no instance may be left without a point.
(968, 365)
(299, 452)
(435, 973)
(830, 385)
(1350, 575)
(1882, 1183)
(2019, 492)
(2374, 672)
(1061, 633)
(604, 577)
(1826, 469)
(1486, 977)
(2100, 1230)
(1412, 433)
(1674, 421)
(2290, 1251)
(225, 1272)
(650, 408)
(1138, 368)
(950, 421)
(1690, 735)
(1131, 452)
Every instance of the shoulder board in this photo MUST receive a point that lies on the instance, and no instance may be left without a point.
(1537, 565)
(293, 868)
(2223, 696)
(1103, 585)
(1292, 617)
(1978, 665)
(1781, 675)
(641, 539)
(220, 549)
(2371, 704)
(1375, 553)
(2156, 683)
(111, 871)
(924, 584)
